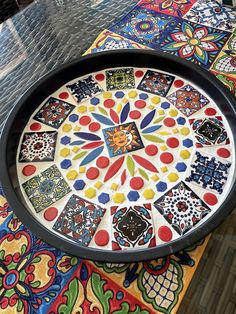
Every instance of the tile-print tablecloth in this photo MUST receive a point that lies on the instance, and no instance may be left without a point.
(37, 278)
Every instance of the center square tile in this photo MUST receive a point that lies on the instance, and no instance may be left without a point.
(120, 79)
(182, 208)
(79, 220)
(132, 226)
(195, 42)
(156, 83)
(123, 138)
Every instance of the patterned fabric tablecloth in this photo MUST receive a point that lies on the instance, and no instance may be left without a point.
(37, 278)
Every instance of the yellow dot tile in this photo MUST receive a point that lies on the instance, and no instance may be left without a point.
(77, 128)
(161, 111)
(185, 154)
(155, 177)
(132, 94)
(164, 169)
(75, 149)
(148, 194)
(82, 169)
(72, 175)
(98, 184)
(82, 109)
(175, 131)
(155, 100)
(163, 147)
(114, 186)
(118, 108)
(173, 177)
(91, 108)
(90, 193)
(66, 127)
(64, 152)
(118, 198)
(173, 112)
(151, 107)
(107, 95)
(184, 131)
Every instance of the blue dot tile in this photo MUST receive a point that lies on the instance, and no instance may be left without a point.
(143, 96)
(133, 196)
(165, 105)
(65, 140)
(103, 198)
(188, 143)
(119, 94)
(65, 164)
(94, 101)
(161, 186)
(181, 121)
(181, 166)
(73, 117)
(79, 184)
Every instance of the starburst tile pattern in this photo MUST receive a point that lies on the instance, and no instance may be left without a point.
(156, 83)
(38, 146)
(188, 100)
(120, 79)
(54, 112)
(84, 89)
(79, 220)
(209, 172)
(132, 227)
(122, 139)
(182, 208)
(46, 188)
(209, 131)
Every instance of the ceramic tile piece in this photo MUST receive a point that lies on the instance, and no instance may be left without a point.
(132, 226)
(84, 89)
(122, 139)
(213, 14)
(46, 188)
(228, 81)
(156, 83)
(79, 220)
(188, 100)
(208, 172)
(120, 79)
(195, 42)
(54, 112)
(38, 146)
(182, 208)
(209, 131)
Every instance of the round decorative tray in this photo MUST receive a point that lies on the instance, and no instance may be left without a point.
(121, 156)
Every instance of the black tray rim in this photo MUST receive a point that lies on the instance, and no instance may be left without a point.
(123, 57)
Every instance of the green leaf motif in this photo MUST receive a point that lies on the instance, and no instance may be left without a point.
(153, 138)
(130, 165)
(159, 119)
(19, 306)
(71, 295)
(35, 284)
(143, 174)
(103, 297)
(125, 309)
(80, 155)
(103, 111)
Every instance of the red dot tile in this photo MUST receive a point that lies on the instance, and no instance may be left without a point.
(172, 142)
(178, 83)
(100, 77)
(92, 173)
(102, 162)
(35, 126)
(63, 95)
(166, 158)
(139, 73)
(135, 114)
(102, 238)
(165, 233)
(136, 183)
(28, 170)
(169, 122)
(223, 152)
(85, 120)
(210, 111)
(151, 150)
(50, 213)
(140, 104)
(210, 199)
(94, 126)
(109, 103)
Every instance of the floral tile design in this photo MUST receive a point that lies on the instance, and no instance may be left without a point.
(228, 81)
(156, 83)
(209, 172)
(212, 13)
(182, 208)
(54, 112)
(196, 43)
(120, 79)
(171, 7)
(38, 146)
(145, 27)
(79, 220)
(209, 131)
(46, 188)
(84, 89)
(132, 227)
(122, 139)
(188, 100)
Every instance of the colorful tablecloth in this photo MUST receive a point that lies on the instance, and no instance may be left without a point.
(37, 278)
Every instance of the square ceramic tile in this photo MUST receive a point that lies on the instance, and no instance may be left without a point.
(132, 227)
(208, 172)
(120, 79)
(38, 146)
(228, 81)
(54, 112)
(209, 131)
(195, 42)
(46, 188)
(213, 14)
(79, 220)
(188, 100)
(123, 138)
(156, 83)
(182, 208)
(84, 89)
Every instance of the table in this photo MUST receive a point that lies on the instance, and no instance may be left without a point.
(38, 40)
